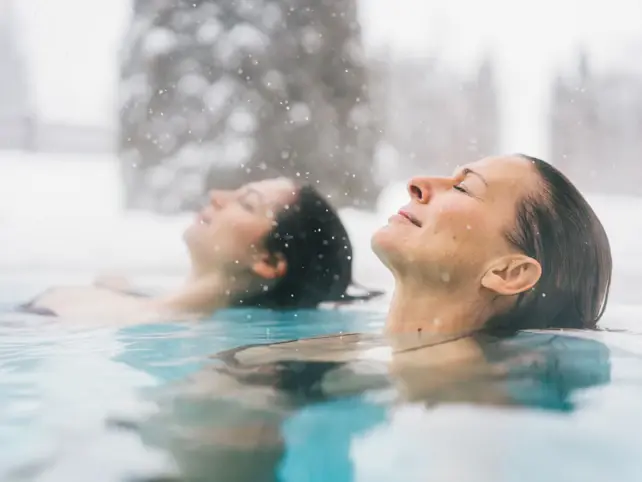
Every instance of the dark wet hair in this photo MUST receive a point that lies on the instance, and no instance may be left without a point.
(557, 227)
(310, 235)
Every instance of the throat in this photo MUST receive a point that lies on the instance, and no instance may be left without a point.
(202, 294)
(415, 310)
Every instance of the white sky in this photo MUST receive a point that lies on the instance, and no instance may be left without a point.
(72, 48)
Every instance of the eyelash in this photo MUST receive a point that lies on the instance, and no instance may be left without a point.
(459, 187)
(244, 204)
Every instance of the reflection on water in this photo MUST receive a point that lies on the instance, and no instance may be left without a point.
(293, 411)
(152, 403)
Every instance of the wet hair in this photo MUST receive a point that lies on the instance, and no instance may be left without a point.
(310, 236)
(557, 227)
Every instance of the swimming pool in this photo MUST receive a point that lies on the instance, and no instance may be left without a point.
(92, 404)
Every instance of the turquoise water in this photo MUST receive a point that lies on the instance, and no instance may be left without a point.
(142, 403)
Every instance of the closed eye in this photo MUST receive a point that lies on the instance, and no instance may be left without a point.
(245, 202)
(461, 188)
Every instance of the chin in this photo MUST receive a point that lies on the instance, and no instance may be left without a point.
(193, 236)
(383, 245)
(188, 234)
(393, 247)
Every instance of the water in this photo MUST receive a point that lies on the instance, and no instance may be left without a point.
(59, 385)
(141, 403)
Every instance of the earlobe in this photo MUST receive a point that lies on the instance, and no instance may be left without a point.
(270, 266)
(511, 276)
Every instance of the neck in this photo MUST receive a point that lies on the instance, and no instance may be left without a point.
(416, 308)
(202, 293)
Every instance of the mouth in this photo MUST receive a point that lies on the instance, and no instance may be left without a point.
(203, 218)
(409, 217)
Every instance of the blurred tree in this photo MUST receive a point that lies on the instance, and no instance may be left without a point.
(596, 116)
(435, 117)
(216, 93)
(15, 106)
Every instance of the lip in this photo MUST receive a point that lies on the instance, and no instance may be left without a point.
(409, 217)
(203, 218)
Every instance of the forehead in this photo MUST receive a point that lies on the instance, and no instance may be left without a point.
(511, 175)
(273, 191)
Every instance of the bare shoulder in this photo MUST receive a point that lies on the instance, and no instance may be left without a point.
(87, 302)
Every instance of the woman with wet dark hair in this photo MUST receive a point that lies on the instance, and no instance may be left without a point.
(312, 240)
(269, 244)
(504, 244)
(558, 228)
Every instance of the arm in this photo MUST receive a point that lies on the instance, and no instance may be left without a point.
(219, 431)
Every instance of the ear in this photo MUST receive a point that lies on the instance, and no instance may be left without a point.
(511, 275)
(270, 266)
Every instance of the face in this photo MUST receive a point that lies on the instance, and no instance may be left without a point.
(229, 230)
(453, 227)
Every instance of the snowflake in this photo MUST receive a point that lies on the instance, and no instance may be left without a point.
(209, 31)
(159, 41)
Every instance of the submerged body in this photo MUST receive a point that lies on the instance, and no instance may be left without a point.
(282, 411)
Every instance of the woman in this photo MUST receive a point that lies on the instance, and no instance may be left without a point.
(504, 244)
(270, 244)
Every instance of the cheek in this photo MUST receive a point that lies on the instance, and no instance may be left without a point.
(459, 218)
(241, 236)
(457, 232)
(463, 219)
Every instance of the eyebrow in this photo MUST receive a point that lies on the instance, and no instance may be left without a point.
(250, 190)
(466, 171)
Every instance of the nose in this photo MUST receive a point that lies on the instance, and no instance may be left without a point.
(423, 188)
(217, 198)
(420, 189)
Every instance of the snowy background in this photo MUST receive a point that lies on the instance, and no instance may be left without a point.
(61, 213)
